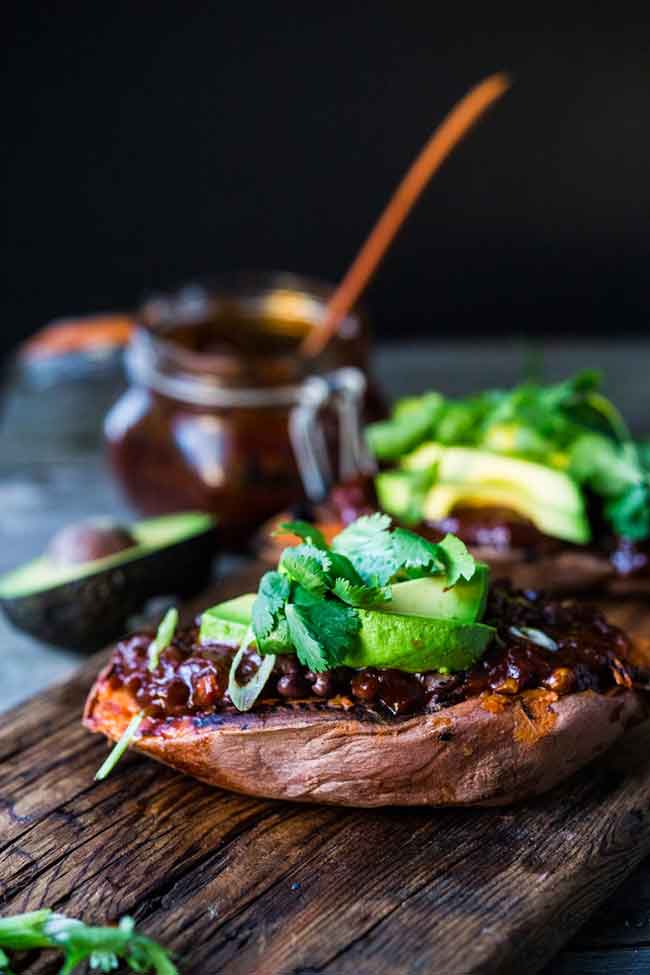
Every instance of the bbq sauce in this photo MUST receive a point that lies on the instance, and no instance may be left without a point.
(582, 652)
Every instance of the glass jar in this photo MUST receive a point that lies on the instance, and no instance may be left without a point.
(222, 414)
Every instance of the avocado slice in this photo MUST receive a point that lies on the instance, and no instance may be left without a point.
(402, 493)
(416, 643)
(465, 602)
(430, 598)
(83, 606)
(571, 526)
(550, 498)
(403, 640)
(227, 623)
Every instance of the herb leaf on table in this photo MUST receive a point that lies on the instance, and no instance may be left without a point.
(103, 947)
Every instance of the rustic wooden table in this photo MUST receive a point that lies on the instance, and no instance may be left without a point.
(52, 471)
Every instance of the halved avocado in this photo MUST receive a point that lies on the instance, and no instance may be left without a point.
(84, 605)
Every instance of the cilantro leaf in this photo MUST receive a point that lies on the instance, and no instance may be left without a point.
(271, 596)
(643, 452)
(607, 467)
(342, 568)
(617, 472)
(309, 649)
(367, 544)
(361, 595)
(460, 421)
(411, 551)
(411, 422)
(308, 566)
(303, 529)
(322, 632)
(379, 554)
(303, 597)
(337, 626)
(459, 562)
(539, 419)
(278, 640)
(630, 513)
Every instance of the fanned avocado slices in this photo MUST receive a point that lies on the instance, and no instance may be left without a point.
(425, 626)
(82, 605)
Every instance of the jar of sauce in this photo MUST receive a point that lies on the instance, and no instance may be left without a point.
(222, 414)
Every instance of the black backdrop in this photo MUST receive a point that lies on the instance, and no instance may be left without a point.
(147, 141)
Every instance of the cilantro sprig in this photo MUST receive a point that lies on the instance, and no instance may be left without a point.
(102, 947)
(309, 604)
(380, 555)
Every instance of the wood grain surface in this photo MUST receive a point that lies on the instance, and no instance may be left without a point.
(250, 887)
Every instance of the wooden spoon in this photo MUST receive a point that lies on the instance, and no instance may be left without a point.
(444, 139)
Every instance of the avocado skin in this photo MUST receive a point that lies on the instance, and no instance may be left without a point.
(86, 613)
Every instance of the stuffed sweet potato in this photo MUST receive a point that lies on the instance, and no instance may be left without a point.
(493, 696)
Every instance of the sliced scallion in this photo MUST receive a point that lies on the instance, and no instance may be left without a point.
(535, 636)
(243, 696)
(120, 747)
(163, 637)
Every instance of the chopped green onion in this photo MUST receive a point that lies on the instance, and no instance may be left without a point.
(120, 747)
(163, 637)
(243, 696)
(535, 636)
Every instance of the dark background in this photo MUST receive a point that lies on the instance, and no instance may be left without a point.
(145, 142)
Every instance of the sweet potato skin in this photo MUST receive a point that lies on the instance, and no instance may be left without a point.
(479, 752)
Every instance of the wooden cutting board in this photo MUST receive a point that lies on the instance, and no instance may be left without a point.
(248, 887)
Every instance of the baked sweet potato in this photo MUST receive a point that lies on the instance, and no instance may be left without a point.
(481, 751)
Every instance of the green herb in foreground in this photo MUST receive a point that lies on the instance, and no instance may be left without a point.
(102, 947)
(321, 631)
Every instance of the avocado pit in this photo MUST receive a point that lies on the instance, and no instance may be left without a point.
(87, 541)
